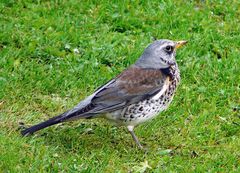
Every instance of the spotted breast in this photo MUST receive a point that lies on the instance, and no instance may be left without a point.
(149, 108)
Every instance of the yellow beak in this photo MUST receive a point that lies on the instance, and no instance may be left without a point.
(180, 44)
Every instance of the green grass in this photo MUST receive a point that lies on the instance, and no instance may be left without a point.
(41, 76)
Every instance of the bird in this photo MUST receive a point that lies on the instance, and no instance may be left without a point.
(136, 95)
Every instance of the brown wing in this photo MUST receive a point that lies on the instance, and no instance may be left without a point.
(131, 86)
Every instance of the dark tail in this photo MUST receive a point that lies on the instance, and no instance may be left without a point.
(50, 122)
(77, 112)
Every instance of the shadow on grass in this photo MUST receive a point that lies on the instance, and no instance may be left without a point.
(87, 137)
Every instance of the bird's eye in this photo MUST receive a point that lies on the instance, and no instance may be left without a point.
(169, 49)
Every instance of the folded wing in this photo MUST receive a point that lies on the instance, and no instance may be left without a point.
(131, 86)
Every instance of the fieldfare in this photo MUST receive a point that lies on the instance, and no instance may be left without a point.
(136, 95)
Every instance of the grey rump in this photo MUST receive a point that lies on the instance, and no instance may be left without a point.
(136, 95)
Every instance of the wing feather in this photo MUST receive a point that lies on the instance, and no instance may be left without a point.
(131, 86)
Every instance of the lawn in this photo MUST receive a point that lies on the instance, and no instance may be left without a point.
(55, 53)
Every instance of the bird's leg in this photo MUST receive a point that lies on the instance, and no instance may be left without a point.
(130, 129)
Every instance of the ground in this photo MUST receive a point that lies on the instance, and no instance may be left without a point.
(55, 53)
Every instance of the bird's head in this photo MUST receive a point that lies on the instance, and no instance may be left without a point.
(160, 54)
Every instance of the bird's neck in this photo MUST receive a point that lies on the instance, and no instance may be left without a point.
(172, 72)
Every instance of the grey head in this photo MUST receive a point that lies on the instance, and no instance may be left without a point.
(160, 54)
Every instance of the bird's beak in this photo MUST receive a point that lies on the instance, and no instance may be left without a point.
(180, 44)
